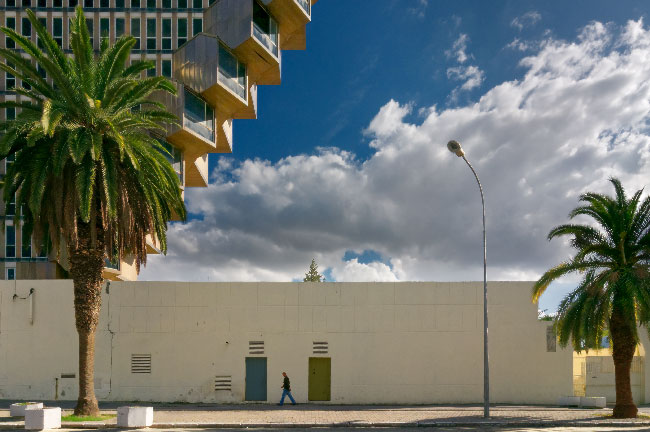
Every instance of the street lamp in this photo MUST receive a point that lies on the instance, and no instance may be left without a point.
(454, 147)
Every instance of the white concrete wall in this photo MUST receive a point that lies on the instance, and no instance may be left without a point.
(389, 342)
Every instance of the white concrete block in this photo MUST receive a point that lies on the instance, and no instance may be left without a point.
(46, 418)
(569, 401)
(592, 402)
(18, 409)
(131, 416)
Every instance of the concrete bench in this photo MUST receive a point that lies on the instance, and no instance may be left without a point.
(134, 417)
(569, 401)
(18, 409)
(593, 402)
(45, 418)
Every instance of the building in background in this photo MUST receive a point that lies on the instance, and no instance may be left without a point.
(217, 53)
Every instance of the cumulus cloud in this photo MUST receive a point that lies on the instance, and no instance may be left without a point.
(470, 75)
(526, 20)
(578, 115)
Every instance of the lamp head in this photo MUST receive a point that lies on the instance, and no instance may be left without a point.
(454, 147)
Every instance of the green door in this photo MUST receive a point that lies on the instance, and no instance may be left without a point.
(320, 382)
(255, 379)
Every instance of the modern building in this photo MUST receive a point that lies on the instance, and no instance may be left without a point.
(341, 343)
(216, 51)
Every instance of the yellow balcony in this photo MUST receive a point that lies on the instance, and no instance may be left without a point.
(292, 16)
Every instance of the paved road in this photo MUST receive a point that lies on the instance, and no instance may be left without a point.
(436, 429)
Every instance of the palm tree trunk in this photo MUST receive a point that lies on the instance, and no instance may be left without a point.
(86, 265)
(623, 347)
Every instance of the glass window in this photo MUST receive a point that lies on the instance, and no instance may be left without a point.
(197, 25)
(135, 3)
(181, 31)
(135, 31)
(104, 3)
(57, 3)
(10, 210)
(26, 27)
(198, 116)
(10, 241)
(88, 3)
(175, 158)
(10, 273)
(73, 3)
(89, 23)
(42, 3)
(265, 28)
(119, 27)
(57, 30)
(119, 3)
(167, 68)
(166, 33)
(43, 22)
(151, 33)
(11, 3)
(232, 72)
(104, 28)
(10, 80)
(151, 4)
(10, 22)
(182, 4)
(197, 4)
(27, 3)
(25, 244)
(44, 249)
(151, 72)
(167, 4)
(10, 113)
(41, 71)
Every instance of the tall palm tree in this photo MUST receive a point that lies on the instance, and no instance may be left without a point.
(88, 174)
(613, 254)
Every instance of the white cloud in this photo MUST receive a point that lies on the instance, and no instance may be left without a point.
(458, 50)
(471, 75)
(577, 115)
(526, 20)
(354, 271)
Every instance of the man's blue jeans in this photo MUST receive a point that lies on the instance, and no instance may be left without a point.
(286, 392)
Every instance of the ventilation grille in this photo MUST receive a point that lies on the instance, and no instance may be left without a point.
(223, 383)
(256, 347)
(321, 347)
(141, 363)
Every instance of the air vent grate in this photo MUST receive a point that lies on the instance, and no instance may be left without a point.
(256, 347)
(141, 363)
(223, 383)
(321, 347)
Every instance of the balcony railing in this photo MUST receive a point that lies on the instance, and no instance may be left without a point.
(269, 40)
(232, 83)
(305, 5)
(196, 125)
(198, 116)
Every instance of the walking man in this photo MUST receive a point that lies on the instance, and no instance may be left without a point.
(286, 390)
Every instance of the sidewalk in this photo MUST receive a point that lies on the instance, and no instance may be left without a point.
(308, 415)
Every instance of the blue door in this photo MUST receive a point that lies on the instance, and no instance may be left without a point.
(256, 378)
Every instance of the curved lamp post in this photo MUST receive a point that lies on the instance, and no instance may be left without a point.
(454, 147)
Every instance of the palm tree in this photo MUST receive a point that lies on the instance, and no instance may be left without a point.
(88, 174)
(613, 254)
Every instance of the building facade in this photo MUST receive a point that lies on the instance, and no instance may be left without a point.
(216, 51)
(341, 343)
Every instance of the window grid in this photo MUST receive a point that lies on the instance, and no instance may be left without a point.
(167, 68)
(10, 273)
(181, 31)
(25, 244)
(57, 30)
(135, 31)
(10, 22)
(197, 26)
(119, 27)
(104, 29)
(166, 39)
(151, 33)
(10, 241)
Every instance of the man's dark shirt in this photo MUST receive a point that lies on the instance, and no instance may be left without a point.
(287, 385)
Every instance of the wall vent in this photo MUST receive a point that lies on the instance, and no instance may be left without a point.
(256, 347)
(223, 382)
(321, 347)
(141, 363)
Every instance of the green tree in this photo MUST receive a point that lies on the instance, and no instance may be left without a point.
(88, 174)
(312, 275)
(613, 255)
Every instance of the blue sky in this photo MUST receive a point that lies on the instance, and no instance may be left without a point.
(346, 161)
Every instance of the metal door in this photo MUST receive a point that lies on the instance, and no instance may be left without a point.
(320, 382)
(256, 378)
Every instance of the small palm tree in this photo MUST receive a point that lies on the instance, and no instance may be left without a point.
(614, 257)
(88, 174)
